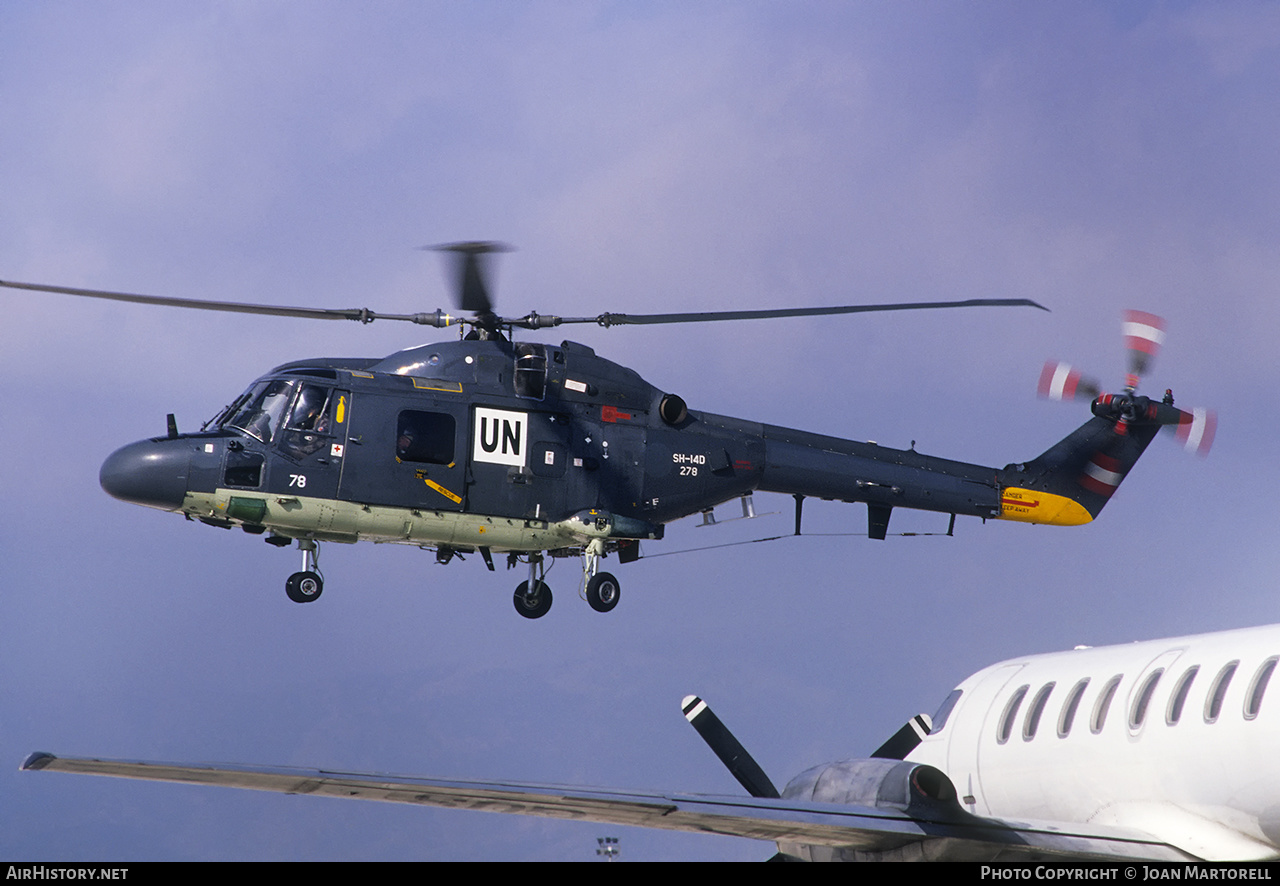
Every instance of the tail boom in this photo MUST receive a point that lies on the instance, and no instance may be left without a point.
(1071, 483)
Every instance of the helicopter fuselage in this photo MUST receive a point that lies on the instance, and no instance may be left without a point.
(499, 447)
(512, 447)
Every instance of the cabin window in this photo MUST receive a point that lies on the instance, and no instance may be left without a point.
(1179, 698)
(1138, 712)
(1036, 710)
(1259, 687)
(1011, 712)
(1218, 692)
(425, 437)
(944, 711)
(1070, 707)
(1101, 706)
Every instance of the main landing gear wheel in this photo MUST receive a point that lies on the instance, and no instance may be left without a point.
(533, 605)
(603, 592)
(303, 587)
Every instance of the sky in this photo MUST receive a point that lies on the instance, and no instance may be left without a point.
(642, 157)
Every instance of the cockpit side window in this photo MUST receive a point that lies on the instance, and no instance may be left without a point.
(308, 413)
(307, 428)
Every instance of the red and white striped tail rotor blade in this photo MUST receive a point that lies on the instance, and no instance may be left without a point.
(1062, 381)
(1196, 430)
(1143, 336)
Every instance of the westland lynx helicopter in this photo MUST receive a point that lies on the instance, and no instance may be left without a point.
(485, 445)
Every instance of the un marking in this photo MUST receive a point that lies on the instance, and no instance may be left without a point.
(500, 437)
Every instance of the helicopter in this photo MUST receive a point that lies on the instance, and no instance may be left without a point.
(490, 446)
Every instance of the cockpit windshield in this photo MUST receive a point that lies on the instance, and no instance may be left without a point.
(259, 410)
(948, 705)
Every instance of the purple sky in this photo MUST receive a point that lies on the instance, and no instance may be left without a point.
(643, 157)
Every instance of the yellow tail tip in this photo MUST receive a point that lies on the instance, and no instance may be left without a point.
(1029, 506)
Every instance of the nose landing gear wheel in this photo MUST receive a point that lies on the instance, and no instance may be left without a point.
(603, 592)
(304, 587)
(532, 605)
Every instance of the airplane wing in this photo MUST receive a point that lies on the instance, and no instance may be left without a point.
(776, 820)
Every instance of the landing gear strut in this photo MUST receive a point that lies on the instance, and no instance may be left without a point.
(602, 589)
(307, 585)
(532, 598)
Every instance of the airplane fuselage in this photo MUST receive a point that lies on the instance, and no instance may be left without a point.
(1176, 738)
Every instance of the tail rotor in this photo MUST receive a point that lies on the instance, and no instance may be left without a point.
(1144, 334)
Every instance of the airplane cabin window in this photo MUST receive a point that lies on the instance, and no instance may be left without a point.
(1034, 712)
(1179, 698)
(944, 711)
(1010, 712)
(1070, 706)
(1099, 718)
(1218, 693)
(1138, 712)
(1259, 687)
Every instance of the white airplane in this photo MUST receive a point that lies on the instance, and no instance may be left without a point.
(1162, 750)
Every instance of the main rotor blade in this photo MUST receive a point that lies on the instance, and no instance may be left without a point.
(472, 291)
(364, 315)
(608, 319)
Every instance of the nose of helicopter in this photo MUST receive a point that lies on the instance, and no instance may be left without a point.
(149, 472)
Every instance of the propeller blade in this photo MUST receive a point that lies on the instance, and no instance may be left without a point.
(364, 315)
(731, 753)
(906, 739)
(608, 319)
(472, 293)
(1143, 336)
(1062, 381)
(1196, 430)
